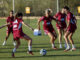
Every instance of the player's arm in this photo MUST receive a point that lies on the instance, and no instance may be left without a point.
(4, 25)
(56, 20)
(39, 24)
(55, 17)
(27, 26)
(68, 19)
(75, 20)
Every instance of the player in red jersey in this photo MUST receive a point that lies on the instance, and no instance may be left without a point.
(61, 17)
(10, 19)
(71, 27)
(47, 26)
(18, 33)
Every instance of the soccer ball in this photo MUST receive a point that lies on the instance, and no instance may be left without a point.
(43, 52)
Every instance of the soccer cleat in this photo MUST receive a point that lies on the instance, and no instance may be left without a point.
(13, 55)
(54, 48)
(30, 52)
(73, 49)
(67, 49)
(4, 43)
(65, 45)
(60, 46)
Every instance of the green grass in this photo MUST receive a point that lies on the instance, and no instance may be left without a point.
(39, 42)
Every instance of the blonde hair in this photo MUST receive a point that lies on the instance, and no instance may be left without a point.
(48, 10)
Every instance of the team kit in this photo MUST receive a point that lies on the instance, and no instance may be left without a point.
(65, 24)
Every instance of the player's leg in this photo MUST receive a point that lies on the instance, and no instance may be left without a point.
(17, 45)
(26, 37)
(64, 30)
(7, 36)
(60, 38)
(71, 40)
(14, 41)
(52, 39)
(66, 39)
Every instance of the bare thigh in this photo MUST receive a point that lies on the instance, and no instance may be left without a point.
(26, 37)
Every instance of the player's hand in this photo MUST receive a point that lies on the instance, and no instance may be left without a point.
(32, 29)
(39, 28)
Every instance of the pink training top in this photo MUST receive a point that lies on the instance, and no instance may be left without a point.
(47, 22)
(16, 31)
(10, 20)
(61, 17)
(70, 17)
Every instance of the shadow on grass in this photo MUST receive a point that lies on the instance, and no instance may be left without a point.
(47, 56)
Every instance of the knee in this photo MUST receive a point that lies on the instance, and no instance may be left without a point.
(69, 37)
(30, 39)
(65, 36)
(53, 38)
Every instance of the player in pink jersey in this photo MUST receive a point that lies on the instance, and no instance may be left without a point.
(18, 33)
(47, 26)
(61, 17)
(71, 27)
(10, 19)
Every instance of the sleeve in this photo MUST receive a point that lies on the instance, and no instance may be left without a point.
(20, 25)
(52, 18)
(42, 18)
(21, 21)
(68, 17)
(56, 15)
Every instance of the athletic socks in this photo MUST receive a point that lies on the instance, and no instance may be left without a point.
(73, 46)
(4, 43)
(68, 46)
(14, 43)
(53, 45)
(60, 46)
(30, 48)
(14, 50)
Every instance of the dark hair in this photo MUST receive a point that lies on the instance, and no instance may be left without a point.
(18, 14)
(67, 8)
(11, 11)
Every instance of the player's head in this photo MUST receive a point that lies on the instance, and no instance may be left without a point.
(67, 9)
(11, 13)
(19, 15)
(63, 10)
(48, 12)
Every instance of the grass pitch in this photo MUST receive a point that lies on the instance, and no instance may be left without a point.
(39, 42)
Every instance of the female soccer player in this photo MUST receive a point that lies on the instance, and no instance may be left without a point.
(61, 17)
(10, 19)
(71, 27)
(47, 26)
(18, 33)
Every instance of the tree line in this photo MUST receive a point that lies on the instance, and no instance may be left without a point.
(37, 6)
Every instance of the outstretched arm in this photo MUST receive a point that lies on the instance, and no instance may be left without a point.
(28, 26)
(39, 24)
(4, 25)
